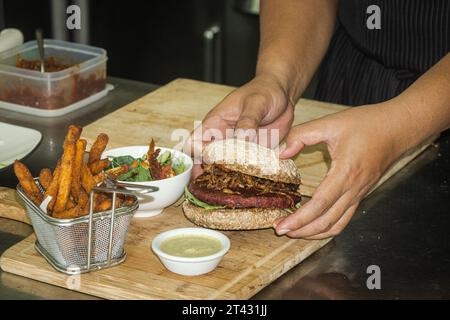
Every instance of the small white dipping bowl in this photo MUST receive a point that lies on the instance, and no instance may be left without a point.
(170, 189)
(190, 266)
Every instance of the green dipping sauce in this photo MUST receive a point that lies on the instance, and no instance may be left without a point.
(191, 246)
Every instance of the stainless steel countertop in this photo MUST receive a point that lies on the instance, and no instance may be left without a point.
(403, 227)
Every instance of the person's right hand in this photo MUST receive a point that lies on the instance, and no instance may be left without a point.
(262, 103)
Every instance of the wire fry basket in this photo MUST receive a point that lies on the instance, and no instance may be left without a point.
(83, 244)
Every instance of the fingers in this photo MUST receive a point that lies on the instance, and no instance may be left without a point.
(276, 222)
(326, 195)
(246, 134)
(326, 221)
(254, 110)
(306, 134)
(271, 134)
(338, 227)
(240, 114)
(193, 144)
(212, 128)
(196, 171)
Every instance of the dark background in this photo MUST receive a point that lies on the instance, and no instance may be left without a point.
(156, 41)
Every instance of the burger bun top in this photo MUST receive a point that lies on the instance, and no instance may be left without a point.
(252, 159)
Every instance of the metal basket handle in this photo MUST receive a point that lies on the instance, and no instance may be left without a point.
(114, 191)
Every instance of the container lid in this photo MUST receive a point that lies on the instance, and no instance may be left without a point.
(81, 58)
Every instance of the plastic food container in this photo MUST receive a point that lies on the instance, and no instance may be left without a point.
(52, 90)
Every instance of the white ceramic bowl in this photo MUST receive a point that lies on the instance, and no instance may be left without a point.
(170, 189)
(190, 266)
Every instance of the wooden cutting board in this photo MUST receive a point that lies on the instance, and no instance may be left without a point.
(256, 258)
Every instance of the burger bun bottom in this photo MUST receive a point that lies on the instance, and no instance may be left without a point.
(233, 219)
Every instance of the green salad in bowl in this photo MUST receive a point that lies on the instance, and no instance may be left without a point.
(154, 165)
(167, 169)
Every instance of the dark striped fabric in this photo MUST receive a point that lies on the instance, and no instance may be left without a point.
(365, 66)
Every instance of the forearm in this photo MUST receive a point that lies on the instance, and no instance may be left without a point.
(295, 35)
(425, 105)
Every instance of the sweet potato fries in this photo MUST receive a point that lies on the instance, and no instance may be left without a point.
(70, 183)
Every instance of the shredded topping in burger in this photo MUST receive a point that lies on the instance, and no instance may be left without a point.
(218, 185)
(216, 177)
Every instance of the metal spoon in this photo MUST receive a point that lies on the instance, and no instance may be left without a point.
(40, 43)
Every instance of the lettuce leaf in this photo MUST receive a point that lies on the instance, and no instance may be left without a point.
(165, 158)
(142, 174)
(137, 174)
(178, 166)
(121, 160)
(192, 199)
(291, 210)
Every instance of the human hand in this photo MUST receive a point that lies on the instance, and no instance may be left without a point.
(363, 143)
(262, 103)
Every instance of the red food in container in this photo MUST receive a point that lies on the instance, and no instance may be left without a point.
(84, 76)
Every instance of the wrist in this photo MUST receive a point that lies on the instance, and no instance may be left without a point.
(286, 77)
(401, 126)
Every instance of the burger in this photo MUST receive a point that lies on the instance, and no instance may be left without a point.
(244, 186)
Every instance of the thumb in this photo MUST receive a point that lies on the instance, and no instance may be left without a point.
(306, 134)
(253, 112)
(196, 171)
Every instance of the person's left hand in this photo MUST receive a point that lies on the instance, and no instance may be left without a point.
(363, 143)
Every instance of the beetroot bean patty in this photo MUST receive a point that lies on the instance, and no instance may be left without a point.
(249, 199)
